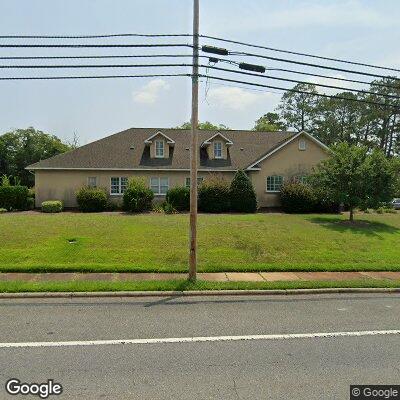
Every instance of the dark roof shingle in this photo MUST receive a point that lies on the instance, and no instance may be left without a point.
(127, 150)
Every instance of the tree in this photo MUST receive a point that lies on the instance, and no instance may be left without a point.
(206, 126)
(269, 122)
(355, 177)
(298, 110)
(22, 147)
(242, 193)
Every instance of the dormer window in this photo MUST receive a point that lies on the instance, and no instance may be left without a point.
(217, 149)
(159, 148)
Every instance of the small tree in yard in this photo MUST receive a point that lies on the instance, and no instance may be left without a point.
(243, 196)
(356, 178)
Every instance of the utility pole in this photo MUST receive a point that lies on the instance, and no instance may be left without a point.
(194, 145)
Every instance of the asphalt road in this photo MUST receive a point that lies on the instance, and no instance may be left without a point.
(293, 368)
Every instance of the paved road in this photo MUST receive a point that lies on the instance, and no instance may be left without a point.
(308, 368)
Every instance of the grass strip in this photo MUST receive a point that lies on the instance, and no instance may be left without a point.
(183, 285)
(29, 268)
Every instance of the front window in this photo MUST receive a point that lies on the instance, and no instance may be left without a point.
(92, 181)
(274, 183)
(300, 179)
(199, 181)
(118, 184)
(159, 186)
(159, 148)
(302, 144)
(217, 149)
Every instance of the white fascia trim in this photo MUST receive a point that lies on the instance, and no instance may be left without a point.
(129, 169)
(150, 139)
(250, 167)
(208, 141)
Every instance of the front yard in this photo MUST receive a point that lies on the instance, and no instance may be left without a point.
(156, 242)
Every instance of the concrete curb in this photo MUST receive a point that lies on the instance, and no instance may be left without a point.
(45, 295)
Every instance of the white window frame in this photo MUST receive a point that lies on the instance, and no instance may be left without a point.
(95, 181)
(159, 178)
(274, 183)
(162, 149)
(302, 145)
(200, 180)
(215, 149)
(121, 185)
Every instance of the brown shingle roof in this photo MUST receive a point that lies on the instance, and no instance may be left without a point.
(127, 150)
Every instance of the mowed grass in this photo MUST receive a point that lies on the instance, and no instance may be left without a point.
(231, 242)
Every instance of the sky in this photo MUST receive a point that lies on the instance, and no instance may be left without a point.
(360, 30)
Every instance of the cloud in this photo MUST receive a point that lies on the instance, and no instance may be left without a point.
(150, 92)
(238, 99)
(332, 82)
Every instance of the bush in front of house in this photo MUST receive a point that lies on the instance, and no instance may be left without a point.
(137, 196)
(3, 210)
(91, 199)
(242, 194)
(179, 198)
(52, 206)
(214, 195)
(297, 197)
(301, 198)
(13, 197)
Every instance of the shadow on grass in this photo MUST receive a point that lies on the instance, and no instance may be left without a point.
(360, 226)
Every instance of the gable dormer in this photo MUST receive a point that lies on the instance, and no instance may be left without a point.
(160, 145)
(217, 146)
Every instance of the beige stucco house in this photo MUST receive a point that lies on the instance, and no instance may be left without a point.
(161, 157)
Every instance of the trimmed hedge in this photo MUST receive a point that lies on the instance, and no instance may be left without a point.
(91, 199)
(52, 206)
(214, 196)
(242, 194)
(137, 196)
(179, 198)
(302, 198)
(13, 197)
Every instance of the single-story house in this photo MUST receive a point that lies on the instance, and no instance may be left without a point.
(162, 158)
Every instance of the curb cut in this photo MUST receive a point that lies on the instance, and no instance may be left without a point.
(197, 293)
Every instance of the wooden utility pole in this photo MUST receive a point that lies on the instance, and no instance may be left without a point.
(194, 145)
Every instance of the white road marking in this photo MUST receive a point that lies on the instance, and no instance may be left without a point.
(201, 339)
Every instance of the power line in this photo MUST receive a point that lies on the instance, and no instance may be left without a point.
(25, 78)
(91, 66)
(92, 45)
(285, 60)
(94, 57)
(299, 82)
(301, 91)
(300, 54)
(93, 36)
(186, 56)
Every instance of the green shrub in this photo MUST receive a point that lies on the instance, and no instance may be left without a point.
(179, 198)
(13, 197)
(214, 195)
(242, 194)
(3, 210)
(52, 206)
(380, 210)
(297, 197)
(137, 196)
(30, 203)
(168, 208)
(31, 193)
(91, 199)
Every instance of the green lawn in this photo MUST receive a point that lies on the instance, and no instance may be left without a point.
(158, 242)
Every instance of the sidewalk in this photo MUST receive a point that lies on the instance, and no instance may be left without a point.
(205, 276)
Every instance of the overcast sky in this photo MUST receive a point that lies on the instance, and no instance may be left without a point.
(363, 30)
